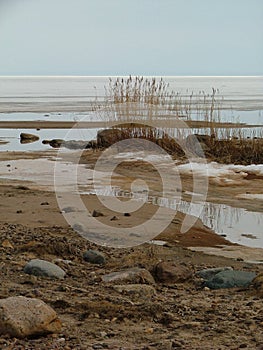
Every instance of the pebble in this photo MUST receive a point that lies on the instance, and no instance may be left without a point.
(97, 213)
(94, 257)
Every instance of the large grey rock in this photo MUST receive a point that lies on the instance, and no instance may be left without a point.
(169, 272)
(133, 276)
(206, 274)
(44, 268)
(94, 257)
(230, 279)
(22, 317)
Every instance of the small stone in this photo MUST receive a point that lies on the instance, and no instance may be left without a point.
(19, 211)
(94, 257)
(149, 330)
(21, 317)
(44, 268)
(127, 214)
(44, 203)
(7, 244)
(97, 213)
(114, 218)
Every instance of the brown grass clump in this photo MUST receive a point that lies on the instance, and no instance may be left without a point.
(135, 104)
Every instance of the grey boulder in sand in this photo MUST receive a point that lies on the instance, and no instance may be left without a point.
(44, 268)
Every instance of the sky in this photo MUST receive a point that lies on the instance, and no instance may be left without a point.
(137, 37)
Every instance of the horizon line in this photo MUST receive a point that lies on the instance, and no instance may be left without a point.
(133, 75)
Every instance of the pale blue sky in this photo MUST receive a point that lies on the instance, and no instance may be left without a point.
(121, 37)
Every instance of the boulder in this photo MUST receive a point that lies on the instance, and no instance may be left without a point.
(206, 274)
(94, 257)
(22, 317)
(134, 276)
(169, 272)
(44, 268)
(230, 279)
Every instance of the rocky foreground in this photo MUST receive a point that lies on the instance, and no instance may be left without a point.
(147, 297)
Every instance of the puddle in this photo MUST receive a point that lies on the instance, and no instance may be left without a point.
(236, 224)
(11, 137)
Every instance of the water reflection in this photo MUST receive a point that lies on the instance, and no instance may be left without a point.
(236, 224)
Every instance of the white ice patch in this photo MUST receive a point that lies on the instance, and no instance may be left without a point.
(221, 174)
(256, 196)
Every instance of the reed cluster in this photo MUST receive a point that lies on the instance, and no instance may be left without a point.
(135, 104)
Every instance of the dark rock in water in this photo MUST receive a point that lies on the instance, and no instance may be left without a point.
(71, 144)
(94, 257)
(168, 272)
(28, 138)
(230, 279)
(134, 276)
(44, 268)
(55, 143)
(22, 317)
(46, 142)
(206, 274)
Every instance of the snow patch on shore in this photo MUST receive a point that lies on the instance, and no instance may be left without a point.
(221, 174)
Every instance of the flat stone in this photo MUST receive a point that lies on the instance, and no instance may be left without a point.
(169, 272)
(22, 317)
(209, 273)
(94, 257)
(230, 279)
(134, 276)
(141, 290)
(44, 268)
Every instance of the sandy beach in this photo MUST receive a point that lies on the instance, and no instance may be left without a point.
(138, 250)
(94, 313)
